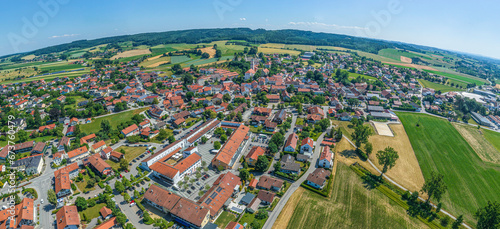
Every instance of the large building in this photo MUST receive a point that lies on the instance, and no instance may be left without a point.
(184, 211)
(175, 166)
(23, 217)
(67, 218)
(30, 165)
(222, 189)
(229, 153)
(98, 164)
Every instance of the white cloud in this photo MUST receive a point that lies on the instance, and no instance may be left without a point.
(320, 24)
(243, 19)
(65, 35)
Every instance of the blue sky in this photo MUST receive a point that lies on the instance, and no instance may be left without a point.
(459, 25)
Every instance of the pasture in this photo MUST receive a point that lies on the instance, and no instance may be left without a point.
(351, 205)
(439, 147)
(464, 78)
(437, 86)
(131, 53)
(478, 141)
(278, 51)
(396, 54)
(114, 120)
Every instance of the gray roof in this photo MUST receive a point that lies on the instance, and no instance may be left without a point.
(380, 115)
(291, 166)
(247, 198)
(28, 162)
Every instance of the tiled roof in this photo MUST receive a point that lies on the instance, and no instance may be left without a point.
(227, 151)
(67, 215)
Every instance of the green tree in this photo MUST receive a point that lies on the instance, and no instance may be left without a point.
(126, 197)
(226, 98)
(277, 166)
(361, 134)
(123, 164)
(81, 203)
(368, 149)
(51, 197)
(244, 174)
(262, 163)
(223, 138)
(434, 187)
(217, 145)
(457, 222)
(488, 216)
(119, 186)
(261, 214)
(387, 158)
(121, 218)
(105, 126)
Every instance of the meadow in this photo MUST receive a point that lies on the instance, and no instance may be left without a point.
(437, 86)
(439, 147)
(396, 54)
(114, 120)
(350, 205)
(469, 79)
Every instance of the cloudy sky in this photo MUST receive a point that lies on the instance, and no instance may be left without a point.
(460, 25)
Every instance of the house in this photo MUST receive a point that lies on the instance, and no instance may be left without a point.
(98, 164)
(325, 158)
(108, 224)
(21, 215)
(62, 184)
(269, 183)
(145, 123)
(106, 213)
(318, 178)
(70, 130)
(65, 141)
(87, 139)
(106, 152)
(234, 225)
(301, 157)
(39, 148)
(273, 98)
(222, 189)
(291, 143)
(174, 167)
(131, 130)
(280, 116)
(30, 165)
(307, 146)
(270, 126)
(253, 184)
(71, 169)
(313, 118)
(254, 154)
(247, 198)
(73, 121)
(98, 146)
(266, 197)
(288, 165)
(116, 156)
(254, 205)
(78, 154)
(68, 218)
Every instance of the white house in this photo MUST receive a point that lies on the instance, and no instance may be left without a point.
(325, 159)
(307, 146)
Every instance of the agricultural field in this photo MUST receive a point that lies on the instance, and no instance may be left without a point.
(468, 79)
(493, 138)
(279, 51)
(179, 59)
(114, 120)
(351, 205)
(439, 147)
(407, 171)
(437, 86)
(131, 53)
(477, 140)
(396, 54)
(155, 61)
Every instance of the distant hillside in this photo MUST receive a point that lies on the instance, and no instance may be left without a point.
(258, 36)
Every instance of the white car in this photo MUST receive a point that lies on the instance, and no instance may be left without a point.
(41, 201)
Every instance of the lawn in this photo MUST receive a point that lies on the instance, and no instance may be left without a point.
(249, 218)
(114, 120)
(130, 154)
(493, 138)
(92, 212)
(470, 79)
(77, 100)
(38, 139)
(82, 185)
(438, 87)
(299, 122)
(224, 218)
(439, 147)
(350, 205)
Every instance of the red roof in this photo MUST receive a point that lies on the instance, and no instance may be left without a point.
(130, 129)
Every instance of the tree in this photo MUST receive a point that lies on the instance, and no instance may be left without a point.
(204, 139)
(205, 55)
(368, 149)
(121, 218)
(171, 139)
(126, 197)
(261, 214)
(226, 98)
(244, 174)
(223, 138)
(52, 197)
(277, 166)
(217, 145)
(488, 216)
(123, 164)
(218, 54)
(457, 222)
(126, 182)
(262, 163)
(81, 203)
(119, 186)
(387, 158)
(273, 148)
(434, 187)
(177, 69)
(105, 126)
(361, 134)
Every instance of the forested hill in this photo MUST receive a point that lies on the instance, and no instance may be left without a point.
(257, 36)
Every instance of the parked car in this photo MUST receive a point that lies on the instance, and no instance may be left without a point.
(189, 191)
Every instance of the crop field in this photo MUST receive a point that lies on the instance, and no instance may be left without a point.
(179, 59)
(351, 205)
(396, 54)
(155, 61)
(407, 171)
(48, 77)
(439, 147)
(279, 51)
(59, 67)
(493, 138)
(478, 141)
(29, 57)
(469, 79)
(437, 86)
(131, 53)
(114, 120)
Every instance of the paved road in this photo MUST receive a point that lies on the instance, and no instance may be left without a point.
(275, 213)
(400, 186)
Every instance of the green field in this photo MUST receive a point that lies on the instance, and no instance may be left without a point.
(437, 86)
(224, 218)
(355, 75)
(130, 154)
(396, 54)
(179, 59)
(440, 147)
(92, 212)
(469, 79)
(493, 138)
(249, 218)
(114, 120)
(351, 205)
(48, 77)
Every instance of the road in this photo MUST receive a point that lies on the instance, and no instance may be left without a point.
(405, 189)
(275, 213)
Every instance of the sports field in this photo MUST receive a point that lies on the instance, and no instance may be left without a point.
(440, 147)
(437, 86)
(351, 205)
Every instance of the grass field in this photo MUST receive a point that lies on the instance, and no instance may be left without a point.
(438, 87)
(439, 147)
(154, 62)
(355, 75)
(396, 54)
(493, 138)
(131, 53)
(279, 51)
(469, 79)
(478, 141)
(249, 218)
(114, 120)
(92, 212)
(82, 185)
(224, 218)
(351, 205)
(130, 154)
(179, 59)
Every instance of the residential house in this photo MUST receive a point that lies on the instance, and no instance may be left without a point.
(253, 155)
(318, 178)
